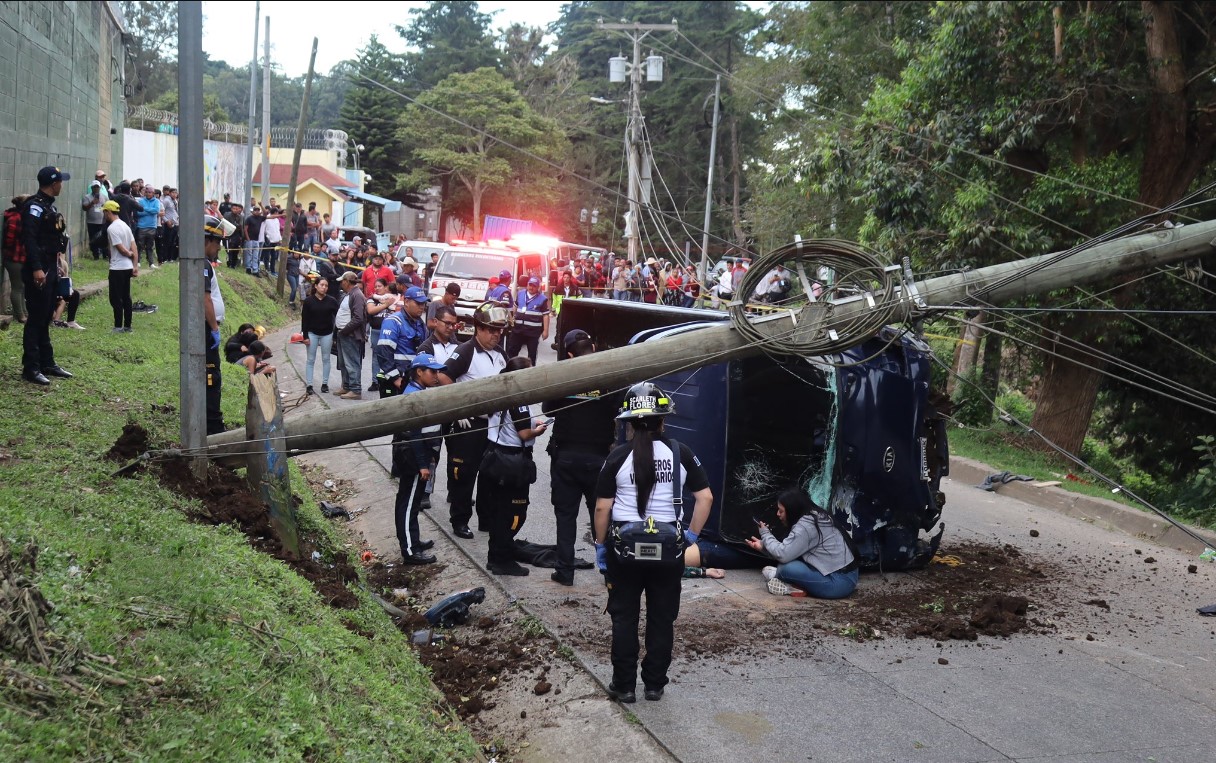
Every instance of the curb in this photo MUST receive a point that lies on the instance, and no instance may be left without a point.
(1104, 513)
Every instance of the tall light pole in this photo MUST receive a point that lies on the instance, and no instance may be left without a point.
(709, 187)
(634, 143)
(253, 105)
(266, 120)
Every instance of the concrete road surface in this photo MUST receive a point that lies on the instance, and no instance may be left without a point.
(1135, 683)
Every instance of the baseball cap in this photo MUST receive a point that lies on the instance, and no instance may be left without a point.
(504, 276)
(534, 281)
(48, 175)
(494, 280)
(426, 360)
(348, 276)
(111, 206)
(99, 174)
(574, 336)
(417, 294)
(453, 289)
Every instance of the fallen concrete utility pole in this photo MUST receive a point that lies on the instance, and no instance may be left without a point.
(617, 368)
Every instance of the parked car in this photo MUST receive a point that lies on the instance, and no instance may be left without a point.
(859, 431)
(383, 239)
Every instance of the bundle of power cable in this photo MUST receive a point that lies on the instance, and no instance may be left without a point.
(809, 281)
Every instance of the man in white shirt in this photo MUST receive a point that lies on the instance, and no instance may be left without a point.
(272, 237)
(124, 265)
(92, 202)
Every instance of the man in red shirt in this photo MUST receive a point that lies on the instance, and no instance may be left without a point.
(376, 270)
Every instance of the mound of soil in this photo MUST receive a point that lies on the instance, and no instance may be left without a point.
(133, 441)
(471, 661)
(970, 590)
(227, 499)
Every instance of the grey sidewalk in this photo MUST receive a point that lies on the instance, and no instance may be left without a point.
(1143, 689)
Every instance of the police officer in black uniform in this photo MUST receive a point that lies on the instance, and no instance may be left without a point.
(42, 233)
(215, 230)
(582, 436)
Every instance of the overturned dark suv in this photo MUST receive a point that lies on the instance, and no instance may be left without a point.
(858, 431)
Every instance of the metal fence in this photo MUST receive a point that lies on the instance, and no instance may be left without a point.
(156, 120)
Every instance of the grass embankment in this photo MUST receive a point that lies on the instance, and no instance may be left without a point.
(225, 653)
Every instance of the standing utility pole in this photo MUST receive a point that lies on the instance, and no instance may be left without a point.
(266, 120)
(709, 187)
(192, 364)
(295, 166)
(634, 143)
(253, 107)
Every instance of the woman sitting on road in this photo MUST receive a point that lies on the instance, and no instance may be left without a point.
(814, 556)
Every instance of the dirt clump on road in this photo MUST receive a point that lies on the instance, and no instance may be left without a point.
(470, 662)
(970, 589)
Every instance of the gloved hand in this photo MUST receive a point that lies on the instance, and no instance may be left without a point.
(601, 557)
(690, 537)
(215, 339)
(464, 423)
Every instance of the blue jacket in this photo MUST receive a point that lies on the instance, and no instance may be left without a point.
(399, 340)
(420, 444)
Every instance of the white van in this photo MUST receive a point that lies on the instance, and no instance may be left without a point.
(420, 251)
(472, 266)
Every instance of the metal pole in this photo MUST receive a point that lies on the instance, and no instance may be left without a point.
(709, 186)
(192, 365)
(253, 108)
(612, 369)
(635, 160)
(295, 167)
(266, 119)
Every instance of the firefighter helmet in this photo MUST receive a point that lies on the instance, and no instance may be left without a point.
(645, 400)
(217, 227)
(492, 315)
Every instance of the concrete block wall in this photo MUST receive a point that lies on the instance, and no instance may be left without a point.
(60, 98)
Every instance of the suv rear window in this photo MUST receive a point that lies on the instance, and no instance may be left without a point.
(458, 264)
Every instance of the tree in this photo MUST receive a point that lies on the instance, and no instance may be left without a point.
(1003, 118)
(448, 37)
(370, 114)
(150, 66)
(470, 148)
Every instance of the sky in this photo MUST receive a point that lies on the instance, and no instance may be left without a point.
(341, 29)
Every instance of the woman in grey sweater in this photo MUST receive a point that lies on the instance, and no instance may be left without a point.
(814, 556)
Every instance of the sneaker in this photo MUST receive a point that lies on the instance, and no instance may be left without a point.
(325, 388)
(155, 266)
(352, 396)
(118, 330)
(75, 325)
(769, 573)
(373, 387)
(779, 587)
(60, 324)
(127, 330)
(308, 390)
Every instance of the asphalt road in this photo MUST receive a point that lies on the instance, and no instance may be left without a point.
(1143, 689)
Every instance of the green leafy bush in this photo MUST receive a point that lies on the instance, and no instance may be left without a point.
(970, 405)
(1017, 405)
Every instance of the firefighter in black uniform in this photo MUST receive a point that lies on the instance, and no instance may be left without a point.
(215, 230)
(42, 234)
(475, 359)
(582, 436)
(639, 485)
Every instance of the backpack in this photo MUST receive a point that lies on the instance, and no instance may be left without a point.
(14, 250)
